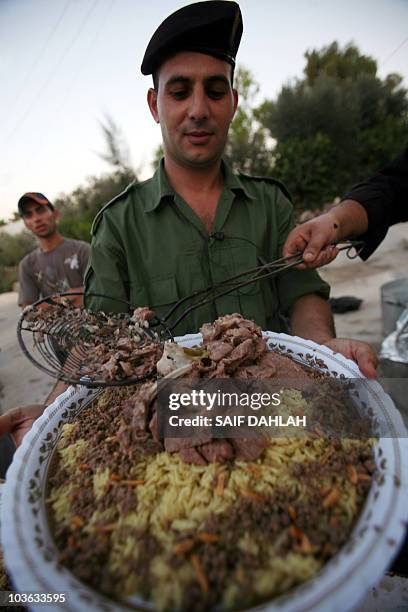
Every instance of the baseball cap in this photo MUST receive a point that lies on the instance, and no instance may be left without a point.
(33, 196)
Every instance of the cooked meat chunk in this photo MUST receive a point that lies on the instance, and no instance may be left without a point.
(218, 451)
(218, 350)
(248, 449)
(173, 445)
(192, 455)
(284, 366)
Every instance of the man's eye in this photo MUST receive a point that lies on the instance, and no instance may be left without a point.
(179, 94)
(216, 94)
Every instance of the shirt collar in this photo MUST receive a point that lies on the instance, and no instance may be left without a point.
(232, 181)
(162, 189)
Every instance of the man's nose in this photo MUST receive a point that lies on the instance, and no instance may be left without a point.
(36, 216)
(198, 110)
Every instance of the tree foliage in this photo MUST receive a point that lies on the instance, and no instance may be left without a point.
(117, 152)
(13, 248)
(12, 251)
(335, 126)
(248, 147)
(78, 208)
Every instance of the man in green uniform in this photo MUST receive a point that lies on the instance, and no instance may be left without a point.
(195, 222)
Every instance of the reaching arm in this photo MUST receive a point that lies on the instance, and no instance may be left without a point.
(367, 211)
(311, 318)
(315, 237)
(28, 290)
(18, 421)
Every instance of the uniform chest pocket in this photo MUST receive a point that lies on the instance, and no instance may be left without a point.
(159, 294)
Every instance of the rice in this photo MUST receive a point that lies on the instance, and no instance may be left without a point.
(191, 537)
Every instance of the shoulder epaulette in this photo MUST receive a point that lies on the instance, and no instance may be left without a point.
(268, 179)
(117, 198)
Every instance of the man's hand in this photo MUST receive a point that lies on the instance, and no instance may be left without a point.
(314, 238)
(18, 421)
(77, 300)
(360, 352)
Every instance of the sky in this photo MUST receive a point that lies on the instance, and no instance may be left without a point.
(66, 64)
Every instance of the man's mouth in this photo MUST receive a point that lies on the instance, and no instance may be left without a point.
(199, 136)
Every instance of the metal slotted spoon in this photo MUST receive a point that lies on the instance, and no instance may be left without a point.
(68, 343)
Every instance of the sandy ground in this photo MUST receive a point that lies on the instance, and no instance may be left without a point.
(24, 384)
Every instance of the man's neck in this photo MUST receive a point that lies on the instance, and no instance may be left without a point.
(193, 180)
(51, 242)
(199, 187)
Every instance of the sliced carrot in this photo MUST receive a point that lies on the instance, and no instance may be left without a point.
(334, 522)
(252, 495)
(331, 499)
(77, 522)
(105, 528)
(219, 489)
(132, 483)
(183, 547)
(365, 477)
(306, 546)
(295, 532)
(292, 512)
(253, 468)
(208, 538)
(352, 474)
(200, 573)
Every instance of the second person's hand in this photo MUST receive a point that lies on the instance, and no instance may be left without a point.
(315, 239)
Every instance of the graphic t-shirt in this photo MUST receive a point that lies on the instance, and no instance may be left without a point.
(42, 274)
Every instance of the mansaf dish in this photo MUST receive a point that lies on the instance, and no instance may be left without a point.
(221, 523)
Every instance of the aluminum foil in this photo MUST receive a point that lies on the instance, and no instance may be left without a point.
(395, 346)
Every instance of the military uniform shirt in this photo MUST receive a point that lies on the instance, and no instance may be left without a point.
(151, 249)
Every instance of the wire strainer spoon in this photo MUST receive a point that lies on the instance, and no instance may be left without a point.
(96, 349)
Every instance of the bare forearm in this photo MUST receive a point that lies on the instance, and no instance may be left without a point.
(351, 219)
(312, 318)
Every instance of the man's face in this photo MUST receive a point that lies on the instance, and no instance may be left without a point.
(40, 219)
(194, 105)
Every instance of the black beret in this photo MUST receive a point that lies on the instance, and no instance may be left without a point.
(213, 27)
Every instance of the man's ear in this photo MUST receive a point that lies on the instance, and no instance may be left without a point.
(152, 102)
(235, 96)
(57, 215)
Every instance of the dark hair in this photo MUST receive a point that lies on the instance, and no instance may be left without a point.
(155, 76)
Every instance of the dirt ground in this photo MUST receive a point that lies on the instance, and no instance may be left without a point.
(24, 384)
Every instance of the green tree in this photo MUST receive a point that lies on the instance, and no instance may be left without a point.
(13, 248)
(331, 61)
(336, 125)
(248, 148)
(12, 251)
(78, 209)
(117, 152)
